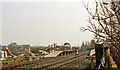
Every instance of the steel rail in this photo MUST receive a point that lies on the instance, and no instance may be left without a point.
(29, 62)
(59, 63)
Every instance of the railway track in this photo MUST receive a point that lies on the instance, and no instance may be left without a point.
(28, 63)
(46, 63)
(56, 64)
(61, 64)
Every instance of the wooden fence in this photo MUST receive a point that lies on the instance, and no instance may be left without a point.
(112, 57)
(116, 56)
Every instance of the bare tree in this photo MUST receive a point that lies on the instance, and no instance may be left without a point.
(105, 22)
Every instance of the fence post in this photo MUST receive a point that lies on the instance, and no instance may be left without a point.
(98, 53)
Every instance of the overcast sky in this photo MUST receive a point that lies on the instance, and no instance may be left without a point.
(44, 22)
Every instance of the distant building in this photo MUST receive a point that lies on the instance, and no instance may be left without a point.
(3, 54)
(13, 44)
(73, 48)
(67, 46)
